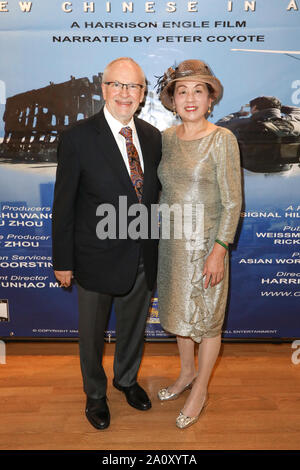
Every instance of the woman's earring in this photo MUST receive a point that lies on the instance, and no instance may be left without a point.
(174, 111)
(209, 109)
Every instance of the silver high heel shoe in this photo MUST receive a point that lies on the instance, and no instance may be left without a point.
(184, 422)
(165, 395)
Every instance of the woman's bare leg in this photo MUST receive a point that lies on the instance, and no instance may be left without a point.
(186, 347)
(209, 350)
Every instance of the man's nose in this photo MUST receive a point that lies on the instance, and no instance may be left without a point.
(124, 90)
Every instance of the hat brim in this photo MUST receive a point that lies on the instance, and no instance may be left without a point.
(215, 83)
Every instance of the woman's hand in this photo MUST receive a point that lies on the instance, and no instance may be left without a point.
(214, 266)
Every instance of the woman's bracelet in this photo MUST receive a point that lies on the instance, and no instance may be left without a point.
(222, 244)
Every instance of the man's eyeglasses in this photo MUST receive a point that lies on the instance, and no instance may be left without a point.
(118, 86)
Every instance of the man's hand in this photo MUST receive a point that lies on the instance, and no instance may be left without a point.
(214, 267)
(64, 277)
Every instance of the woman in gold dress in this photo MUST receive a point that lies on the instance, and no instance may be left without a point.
(200, 166)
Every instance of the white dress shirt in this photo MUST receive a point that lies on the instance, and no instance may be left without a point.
(115, 127)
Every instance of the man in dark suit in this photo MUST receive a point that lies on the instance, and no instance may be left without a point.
(110, 155)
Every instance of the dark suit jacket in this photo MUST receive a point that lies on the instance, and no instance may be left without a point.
(90, 172)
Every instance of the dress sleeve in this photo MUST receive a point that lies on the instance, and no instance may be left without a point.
(229, 181)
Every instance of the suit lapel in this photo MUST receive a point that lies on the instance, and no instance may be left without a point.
(112, 153)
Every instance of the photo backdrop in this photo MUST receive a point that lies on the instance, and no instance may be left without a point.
(52, 56)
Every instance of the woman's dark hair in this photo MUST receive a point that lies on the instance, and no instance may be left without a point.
(171, 89)
(211, 91)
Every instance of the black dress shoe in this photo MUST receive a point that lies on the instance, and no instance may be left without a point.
(97, 412)
(135, 396)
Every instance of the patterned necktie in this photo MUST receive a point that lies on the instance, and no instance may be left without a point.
(136, 171)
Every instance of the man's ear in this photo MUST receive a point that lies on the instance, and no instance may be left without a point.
(142, 95)
(103, 91)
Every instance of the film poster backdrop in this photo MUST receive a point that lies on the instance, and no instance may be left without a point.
(53, 54)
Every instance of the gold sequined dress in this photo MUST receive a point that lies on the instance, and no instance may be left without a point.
(206, 172)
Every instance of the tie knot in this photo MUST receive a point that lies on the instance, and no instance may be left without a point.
(126, 132)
